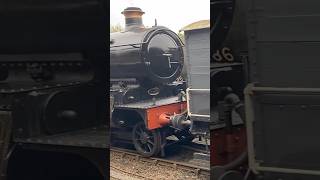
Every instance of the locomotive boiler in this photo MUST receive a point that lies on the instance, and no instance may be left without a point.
(147, 57)
(147, 54)
(145, 66)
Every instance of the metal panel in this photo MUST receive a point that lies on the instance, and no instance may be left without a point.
(198, 65)
(287, 7)
(282, 38)
(283, 105)
(287, 64)
(282, 128)
(298, 115)
(287, 20)
(96, 137)
(288, 28)
(198, 103)
(198, 58)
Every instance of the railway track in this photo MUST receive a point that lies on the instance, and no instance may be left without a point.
(120, 174)
(199, 172)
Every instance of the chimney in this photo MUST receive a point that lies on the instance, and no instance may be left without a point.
(133, 16)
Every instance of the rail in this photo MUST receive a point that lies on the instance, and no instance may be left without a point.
(197, 170)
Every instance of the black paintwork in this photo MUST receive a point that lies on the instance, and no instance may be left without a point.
(228, 31)
(143, 54)
(284, 53)
(53, 77)
(228, 27)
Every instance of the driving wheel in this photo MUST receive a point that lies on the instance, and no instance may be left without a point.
(147, 142)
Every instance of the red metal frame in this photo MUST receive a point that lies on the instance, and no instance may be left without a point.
(154, 118)
(225, 147)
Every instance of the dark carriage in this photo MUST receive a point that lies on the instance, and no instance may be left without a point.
(281, 99)
(52, 89)
(282, 102)
(228, 77)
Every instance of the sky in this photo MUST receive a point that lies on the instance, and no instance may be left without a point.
(174, 14)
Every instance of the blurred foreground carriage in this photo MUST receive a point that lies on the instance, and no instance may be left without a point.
(281, 97)
(52, 86)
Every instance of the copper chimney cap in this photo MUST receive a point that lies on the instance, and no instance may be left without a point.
(133, 17)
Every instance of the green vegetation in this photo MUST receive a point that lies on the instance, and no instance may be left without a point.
(119, 28)
(181, 36)
(116, 28)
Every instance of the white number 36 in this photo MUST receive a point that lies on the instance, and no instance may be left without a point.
(224, 53)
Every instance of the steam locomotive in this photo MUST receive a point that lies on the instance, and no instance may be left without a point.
(52, 86)
(145, 65)
(229, 75)
(280, 145)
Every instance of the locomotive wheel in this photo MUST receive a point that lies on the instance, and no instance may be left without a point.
(146, 142)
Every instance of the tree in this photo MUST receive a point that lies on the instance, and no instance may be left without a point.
(116, 28)
(181, 36)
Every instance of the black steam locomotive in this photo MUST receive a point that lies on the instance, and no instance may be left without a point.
(145, 64)
(52, 89)
(281, 105)
(229, 71)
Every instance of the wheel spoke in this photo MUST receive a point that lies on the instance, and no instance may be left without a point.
(150, 142)
(146, 142)
(150, 148)
(139, 139)
(146, 148)
(141, 131)
(138, 133)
